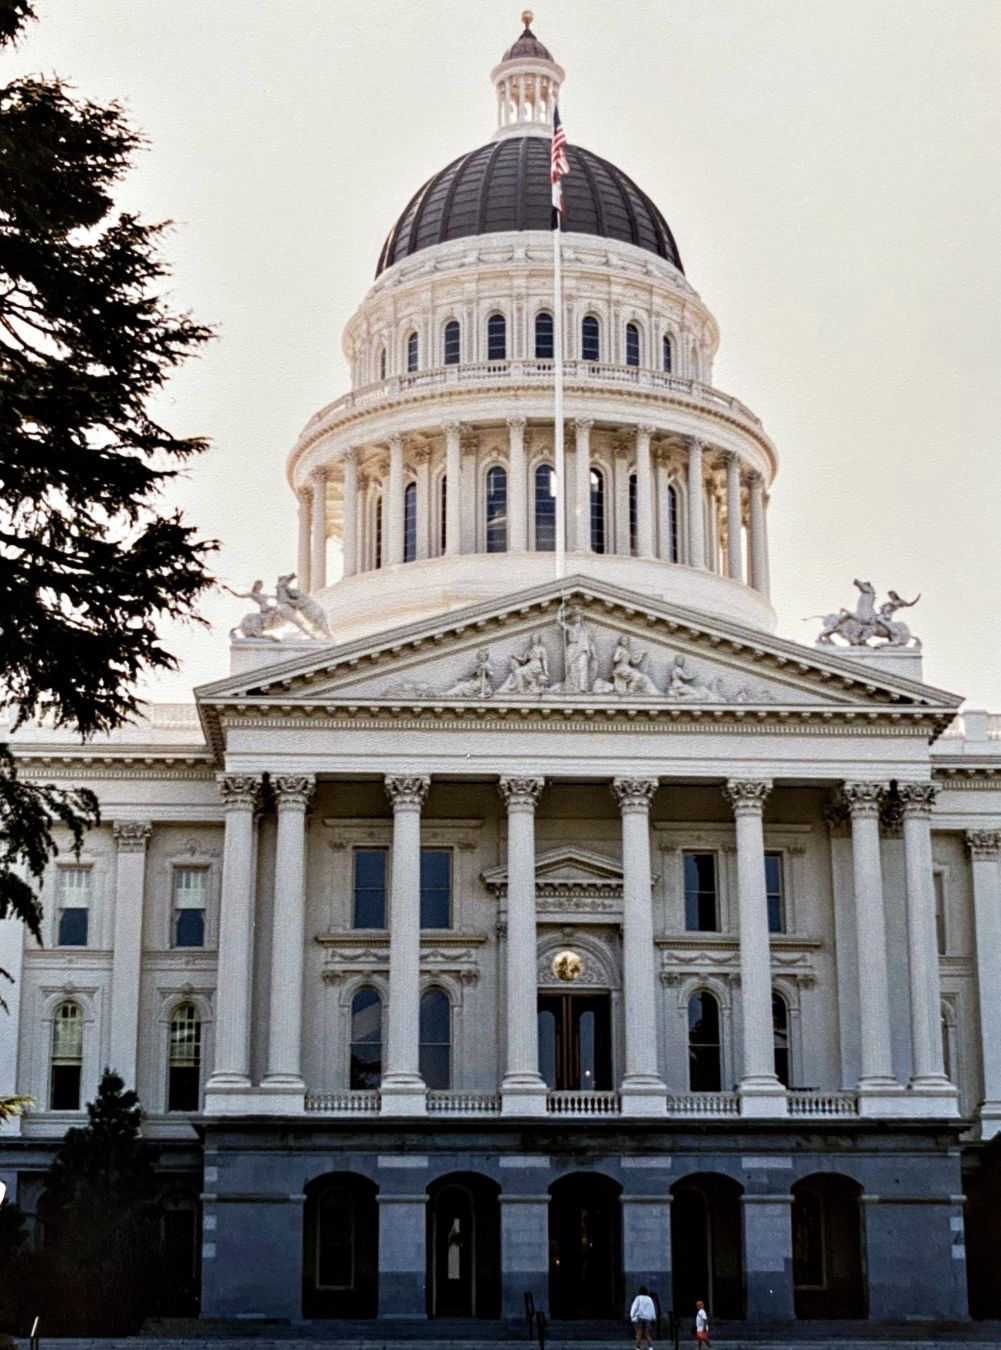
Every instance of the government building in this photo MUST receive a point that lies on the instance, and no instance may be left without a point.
(489, 931)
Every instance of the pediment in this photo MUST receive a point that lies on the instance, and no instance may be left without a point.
(568, 871)
(577, 644)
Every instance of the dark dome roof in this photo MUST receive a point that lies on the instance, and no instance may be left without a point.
(528, 45)
(505, 185)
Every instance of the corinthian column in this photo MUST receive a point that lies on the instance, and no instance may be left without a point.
(696, 507)
(761, 1093)
(517, 486)
(393, 529)
(759, 542)
(523, 1090)
(581, 537)
(453, 489)
(284, 1076)
(240, 793)
(643, 1090)
(422, 461)
(304, 555)
(734, 552)
(985, 862)
(644, 492)
(318, 554)
(403, 1092)
(349, 528)
(132, 836)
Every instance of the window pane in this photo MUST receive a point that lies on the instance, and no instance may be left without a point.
(436, 888)
(189, 928)
(773, 890)
(673, 524)
(183, 1088)
(589, 342)
(443, 515)
(700, 892)
(190, 895)
(185, 1037)
(378, 531)
(668, 355)
(547, 1047)
(597, 511)
(67, 1033)
(410, 522)
(366, 1039)
(435, 1040)
(65, 1089)
(497, 510)
(73, 928)
(370, 888)
(496, 338)
(544, 349)
(382, 364)
(74, 902)
(412, 353)
(940, 933)
(632, 345)
(545, 509)
(632, 513)
(451, 345)
(704, 1068)
(780, 1036)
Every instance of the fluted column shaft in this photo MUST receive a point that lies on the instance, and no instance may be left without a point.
(422, 459)
(292, 794)
(453, 489)
(402, 1085)
(916, 801)
(644, 493)
(642, 1087)
(304, 555)
(696, 507)
(734, 540)
(393, 540)
(582, 492)
(318, 532)
(349, 528)
(759, 543)
(524, 1092)
(985, 862)
(621, 487)
(240, 794)
(517, 486)
(870, 929)
(131, 836)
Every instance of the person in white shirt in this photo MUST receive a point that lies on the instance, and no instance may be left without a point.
(642, 1315)
(701, 1324)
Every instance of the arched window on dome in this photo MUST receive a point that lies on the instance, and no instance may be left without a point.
(436, 1039)
(451, 347)
(497, 509)
(496, 338)
(633, 514)
(780, 1039)
(382, 363)
(590, 339)
(366, 1040)
(544, 349)
(410, 522)
(673, 524)
(442, 513)
(545, 509)
(67, 1058)
(597, 511)
(632, 344)
(412, 352)
(184, 1059)
(667, 353)
(705, 1070)
(377, 531)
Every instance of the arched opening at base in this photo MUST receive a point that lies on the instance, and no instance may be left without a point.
(585, 1247)
(706, 1246)
(463, 1246)
(179, 1280)
(827, 1255)
(341, 1247)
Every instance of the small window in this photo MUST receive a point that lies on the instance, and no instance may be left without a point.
(436, 1040)
(497, 510)
(701, 915)
(410, 522)
(775, 892)
(191, 886)
(377, 531)
(590, 343)
(633, 514)
(74, 905)
(436, 888)
(382, 364)
(705, 1073)
(366, 1040)
(780, 1038)
(948, 1030)
(451, 345)
(597, 511)
(412, 353)
(667, 350)
(496, 338)
(940, 925)
(443, 513)
(185, 1061)
(632, 345)
(545, 509)
(673, 525)
(369, 888)
(67, 1058)
(544, 349)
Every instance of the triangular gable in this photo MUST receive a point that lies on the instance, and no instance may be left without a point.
(565, 871)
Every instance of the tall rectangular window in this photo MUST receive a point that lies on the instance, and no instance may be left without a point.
(940, 926)
(369, 888)
(775, 892)
(74, 906)
(191, 887)
(436, 888)
(701, 909)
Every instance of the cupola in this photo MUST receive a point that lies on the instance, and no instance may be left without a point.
(528, 83)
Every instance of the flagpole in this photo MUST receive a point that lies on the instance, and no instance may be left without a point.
(558, 451)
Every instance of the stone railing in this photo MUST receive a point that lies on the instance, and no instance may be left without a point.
(583, 1104)
(576, 375)
(707, 1105)
(344, 1103)
(825, 1104)
(441, 1103)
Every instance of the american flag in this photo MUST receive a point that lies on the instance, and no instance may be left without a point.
(559, 165)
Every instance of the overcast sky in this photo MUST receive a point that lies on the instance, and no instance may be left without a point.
(830, 172)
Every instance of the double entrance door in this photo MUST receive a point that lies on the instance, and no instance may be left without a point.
(575, 1042)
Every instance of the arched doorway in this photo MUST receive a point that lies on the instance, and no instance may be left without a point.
(463, 1246)
(706, 1246)
(341, 1247)
(585, 1247)
(827, 1263)
(179, 1279)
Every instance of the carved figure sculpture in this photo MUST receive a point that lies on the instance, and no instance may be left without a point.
(896, 631)
(858, 627)
(296, 606)
(580, 656)
(256, 624)
(683, 683)
(629, 672)
(478, 685)
(529, 672)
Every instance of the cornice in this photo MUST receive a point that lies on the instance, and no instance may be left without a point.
(965, 775)
(84, 763)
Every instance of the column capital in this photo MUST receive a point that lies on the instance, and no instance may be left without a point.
(697, 444)
(517, 423)
(917, 799)
(132, 836)
(452, 428)
(728, 457)
(318, 477)
(395, 442)
(755, 480)
(747, 796)
(863, 799)
(646, 429)
(420, 454)
(521, 793)
(407, 792)
(583, 425)
(350, 455)
(293, 791)
(634, 794)
(239, 791)
(984, 845)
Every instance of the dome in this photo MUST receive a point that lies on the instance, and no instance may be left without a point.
(528, 45)
(505, 185)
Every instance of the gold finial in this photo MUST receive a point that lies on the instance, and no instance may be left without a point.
(526, 17)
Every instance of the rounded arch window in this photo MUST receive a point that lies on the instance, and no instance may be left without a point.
(410, 522)
(590, 339)
(452, 336)
(496, 338)
(67, 1058)
(632, 344)
(496, 521)
(377, 531)
(544, 348)
(597, 511)
(667, 354)
(366, 1039)
(436, 1039)
(673, 524)
(780, 1038)
(545, 508)
(184, 1061)
(382, 363)
(633, 514)
(413, 352)
(705, 1069)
